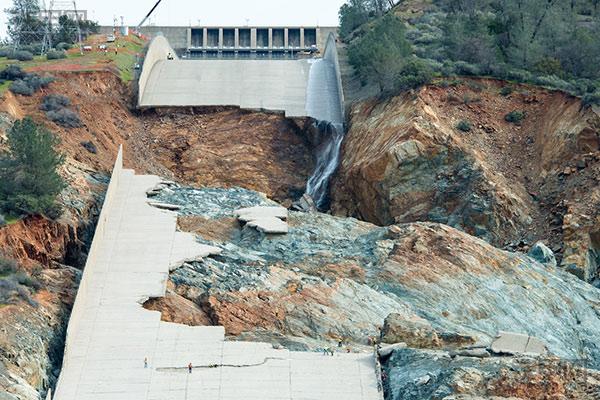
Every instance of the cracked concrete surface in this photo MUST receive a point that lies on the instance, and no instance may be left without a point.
(110, 333)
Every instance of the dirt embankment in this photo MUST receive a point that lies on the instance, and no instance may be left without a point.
(404, 160)
(223, 147)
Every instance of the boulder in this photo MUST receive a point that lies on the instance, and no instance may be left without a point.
(540, 252)
(419, 333)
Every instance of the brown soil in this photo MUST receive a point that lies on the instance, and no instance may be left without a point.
(224, 147)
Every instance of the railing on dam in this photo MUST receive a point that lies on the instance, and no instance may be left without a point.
(78, 310)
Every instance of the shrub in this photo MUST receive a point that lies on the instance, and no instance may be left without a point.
(26, 280)
(37, 82)
(506, 90)
(55, 55)
(414, 74)
(590, 99)
(476, 86)
(54, 102)
(63, 46)
(35, 48)
(21, 87)
(30, 83)
(515, 117)
(2, 221)
(7, 265)
(21, 55)
(5, 52)
(464, 126)
(464, 68)
(12, 72)
(64, 117)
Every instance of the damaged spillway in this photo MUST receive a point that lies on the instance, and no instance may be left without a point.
(324, 102)
(115, 349)
(301, 88)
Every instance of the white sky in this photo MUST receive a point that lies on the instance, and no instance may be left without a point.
(208, 12)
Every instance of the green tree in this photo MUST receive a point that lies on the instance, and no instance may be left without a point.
(29, 179)
(380, 54)
(24, 26)
(352, 15)
(67, 30)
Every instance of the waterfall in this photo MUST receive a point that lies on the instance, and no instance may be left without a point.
(327, 159)
(324, 104)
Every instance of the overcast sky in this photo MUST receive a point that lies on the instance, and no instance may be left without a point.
(208, 12)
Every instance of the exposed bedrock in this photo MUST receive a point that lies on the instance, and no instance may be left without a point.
(403, 160)
(334, 278)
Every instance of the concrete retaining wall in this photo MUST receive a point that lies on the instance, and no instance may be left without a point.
(331, 55)
(78, 311)
(157, 51)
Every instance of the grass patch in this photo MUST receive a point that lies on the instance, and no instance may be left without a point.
(4, 87)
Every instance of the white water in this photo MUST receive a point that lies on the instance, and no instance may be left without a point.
(324, 104)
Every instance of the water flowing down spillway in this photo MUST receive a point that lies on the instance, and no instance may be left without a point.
(324, 104)
(327, 160)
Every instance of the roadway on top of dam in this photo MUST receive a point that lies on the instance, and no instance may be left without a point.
(299, 88)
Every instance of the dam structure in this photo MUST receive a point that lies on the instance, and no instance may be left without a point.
(117, 350)
(299, 88)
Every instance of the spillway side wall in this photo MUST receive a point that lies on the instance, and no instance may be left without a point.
(158, 50)
(331, 55)
(78, 311)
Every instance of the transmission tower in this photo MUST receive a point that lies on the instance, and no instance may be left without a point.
(58, 7)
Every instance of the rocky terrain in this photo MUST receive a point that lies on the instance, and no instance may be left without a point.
(426, 248)
(430, 286)
(511, 184)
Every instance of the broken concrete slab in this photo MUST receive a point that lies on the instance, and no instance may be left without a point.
(264, 219)
(517, 343)
(253, 213)
(165, 206)
(269, 225)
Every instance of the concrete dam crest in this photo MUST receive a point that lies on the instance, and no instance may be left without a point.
(298, 87)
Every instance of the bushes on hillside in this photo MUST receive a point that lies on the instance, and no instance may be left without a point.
(15, 284)
(64, 117)
(20, 55)
(56, 107)
(63, 46)
(24, 83)
(414, 74)
(464, 126)
(29, 179)
(12, 72)
(591, 99)
(515, 117)
(378, 55)
(55, 55)
(53, 102)
(21, 87)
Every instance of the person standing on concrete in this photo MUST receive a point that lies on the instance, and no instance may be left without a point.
(145, 362)
(190, 368)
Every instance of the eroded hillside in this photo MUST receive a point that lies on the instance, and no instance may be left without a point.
(405, 159)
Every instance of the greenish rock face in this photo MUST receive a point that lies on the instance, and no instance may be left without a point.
(333, 277)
